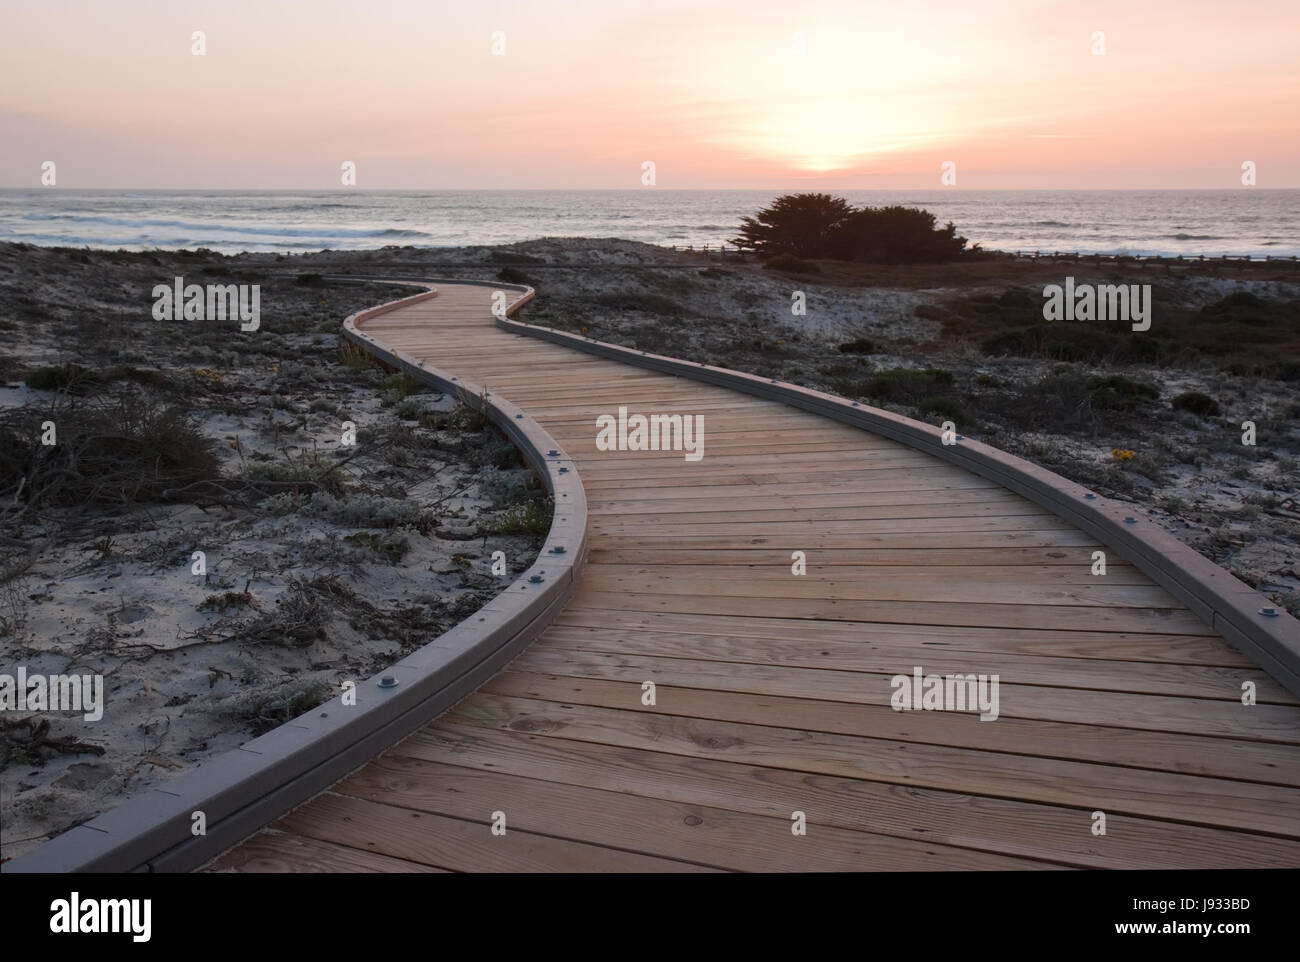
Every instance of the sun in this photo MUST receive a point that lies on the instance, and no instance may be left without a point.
(826, 135)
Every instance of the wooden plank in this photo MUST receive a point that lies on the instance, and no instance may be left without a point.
(1171, 621)
(1163, 795)
(1263, 762)
(1222, 717)
(690, 832)
(990, 560)
(1010, 826)
(775, 569)
(276, 851)
(934, 478)
(885, 655)
(739, 513)
(825, 537)
(934, 589)
(687, 499)
(1196, 648)
(457, 844)
(742, 527)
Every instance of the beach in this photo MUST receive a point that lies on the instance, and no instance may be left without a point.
(289, 564)
(98, 586)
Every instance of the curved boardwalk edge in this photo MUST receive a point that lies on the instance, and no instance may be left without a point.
(246, 788)
(1242, 615)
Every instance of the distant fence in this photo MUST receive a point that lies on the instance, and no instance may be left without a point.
(1152, 258)
(722, 250)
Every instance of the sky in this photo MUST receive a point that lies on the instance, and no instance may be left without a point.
(1015, 94)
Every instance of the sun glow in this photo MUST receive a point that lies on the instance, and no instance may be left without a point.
(733, 93)
(829, 135)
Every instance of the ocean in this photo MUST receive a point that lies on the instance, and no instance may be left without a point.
(1245, 221)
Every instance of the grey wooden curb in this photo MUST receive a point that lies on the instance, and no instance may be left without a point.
(1226, 604)
(244, 789)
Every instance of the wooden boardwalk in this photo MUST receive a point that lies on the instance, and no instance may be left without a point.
(772, 690)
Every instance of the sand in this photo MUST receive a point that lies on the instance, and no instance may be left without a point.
(111, 591)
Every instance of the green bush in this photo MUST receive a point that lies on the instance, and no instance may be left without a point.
(1115, 392)
(800, 225)
(944, 407)
(906, 385)
(121, 450)
(1197, 403)
(895, 235)
(63, 377)
(389, 545)
(530, 517)
(791, 265)
(928, 312)
(511, 275)
(859, 346)
(398, 387)
(825, 226)
(354, 358)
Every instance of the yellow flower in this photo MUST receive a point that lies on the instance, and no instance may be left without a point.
(1121, 454)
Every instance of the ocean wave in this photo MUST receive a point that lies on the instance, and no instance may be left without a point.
(324, 232)
(1135, 222)
(218, 242)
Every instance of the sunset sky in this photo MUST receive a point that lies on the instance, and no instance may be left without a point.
(713, 93)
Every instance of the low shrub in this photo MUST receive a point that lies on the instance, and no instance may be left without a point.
(1196, 402)
(791, 265)
(859, 346)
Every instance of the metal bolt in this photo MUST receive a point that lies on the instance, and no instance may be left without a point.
(558, 549)
(552, 453)
(564, 470)
(1268, 612)
(1090, 496)
(1130, 520)
(388, 681)
(535, 580)
(519, 417)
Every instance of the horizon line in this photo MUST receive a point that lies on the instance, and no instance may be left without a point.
(593, 190)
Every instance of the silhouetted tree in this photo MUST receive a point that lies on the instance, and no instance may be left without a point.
(798, 224)
(824, 226)
(895, 235)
